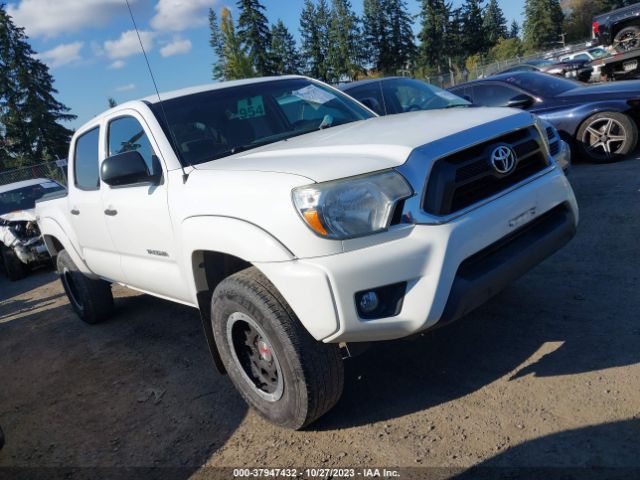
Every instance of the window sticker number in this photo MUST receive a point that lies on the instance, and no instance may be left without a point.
(250, 107)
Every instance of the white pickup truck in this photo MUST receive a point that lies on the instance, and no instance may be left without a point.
(299, 223)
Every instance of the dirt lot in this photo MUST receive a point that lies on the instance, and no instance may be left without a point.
(546, 374)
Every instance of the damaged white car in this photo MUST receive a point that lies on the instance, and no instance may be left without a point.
(21, 244)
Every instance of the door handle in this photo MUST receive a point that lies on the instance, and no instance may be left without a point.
(75, 211)
(111, 212)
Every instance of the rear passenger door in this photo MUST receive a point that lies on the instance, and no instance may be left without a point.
(85, 202)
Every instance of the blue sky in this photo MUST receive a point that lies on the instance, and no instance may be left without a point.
(94, 54)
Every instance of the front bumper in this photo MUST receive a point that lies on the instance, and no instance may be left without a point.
(434, 262)
(563, 157)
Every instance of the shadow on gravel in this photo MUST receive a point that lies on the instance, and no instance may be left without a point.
(607, 451)
(34, 280)
(137, 390)
(584, 298)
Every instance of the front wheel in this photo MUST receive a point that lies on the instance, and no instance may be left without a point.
(277, 366)
(90, 298)
(607, 136)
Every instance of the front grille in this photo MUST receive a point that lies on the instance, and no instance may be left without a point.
(554, 148)
(467, 177)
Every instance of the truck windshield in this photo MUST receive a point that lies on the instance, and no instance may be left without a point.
(25, 198)
(218, 123)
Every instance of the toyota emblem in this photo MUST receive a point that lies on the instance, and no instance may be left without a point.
(503, 159)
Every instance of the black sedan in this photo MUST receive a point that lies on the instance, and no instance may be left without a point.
(600, 121)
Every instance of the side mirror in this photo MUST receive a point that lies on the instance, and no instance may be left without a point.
(126, 168)
(373, 104)
(520, 101)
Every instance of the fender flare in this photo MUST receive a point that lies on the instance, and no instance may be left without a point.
(53, 229)
(256, 246)
(230, 236)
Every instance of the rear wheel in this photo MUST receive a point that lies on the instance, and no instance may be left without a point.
(90, 298)
(13, 267)
(627, 39)
(290, 378)
(607, 136)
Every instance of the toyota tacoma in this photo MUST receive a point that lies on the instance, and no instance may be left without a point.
(301, 224)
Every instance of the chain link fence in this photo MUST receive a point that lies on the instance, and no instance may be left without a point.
(56, 170)
(482, 70)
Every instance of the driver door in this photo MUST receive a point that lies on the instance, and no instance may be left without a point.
(137, 215)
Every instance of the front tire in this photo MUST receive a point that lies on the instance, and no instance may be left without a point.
(91, 299)
(280, 370)
(13, 267)
(607, 137)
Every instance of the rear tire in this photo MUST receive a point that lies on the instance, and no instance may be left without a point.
(280, 370)
(627, 39)
(606, 137)
(91, 299)
(13, 267)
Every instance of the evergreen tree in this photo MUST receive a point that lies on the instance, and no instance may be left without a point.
(401, 41)
(433, 36)
(284, 56)
(494, 23)
(514, 30)
(472, 27)
(375, 35)
(314, 30)
(344, 53)
(253, 32)
(30, 131)
(542, 24)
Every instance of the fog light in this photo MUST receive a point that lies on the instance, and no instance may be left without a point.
(368, 302)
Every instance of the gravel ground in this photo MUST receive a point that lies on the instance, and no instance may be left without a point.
(546, 374)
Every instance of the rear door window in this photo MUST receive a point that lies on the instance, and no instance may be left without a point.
(85, 161)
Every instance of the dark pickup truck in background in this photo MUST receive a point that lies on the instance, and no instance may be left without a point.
(618, 28)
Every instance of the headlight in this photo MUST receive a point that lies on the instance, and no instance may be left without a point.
(351, 207)
(542, 128)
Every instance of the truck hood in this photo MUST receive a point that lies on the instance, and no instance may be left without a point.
(20, 216)
(359, 147)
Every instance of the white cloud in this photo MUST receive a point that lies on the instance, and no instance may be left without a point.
(63, 54)
(178, 46)
(117, 64)
(126, 88)
(179, 15)
(128, 44)
(49, 18)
